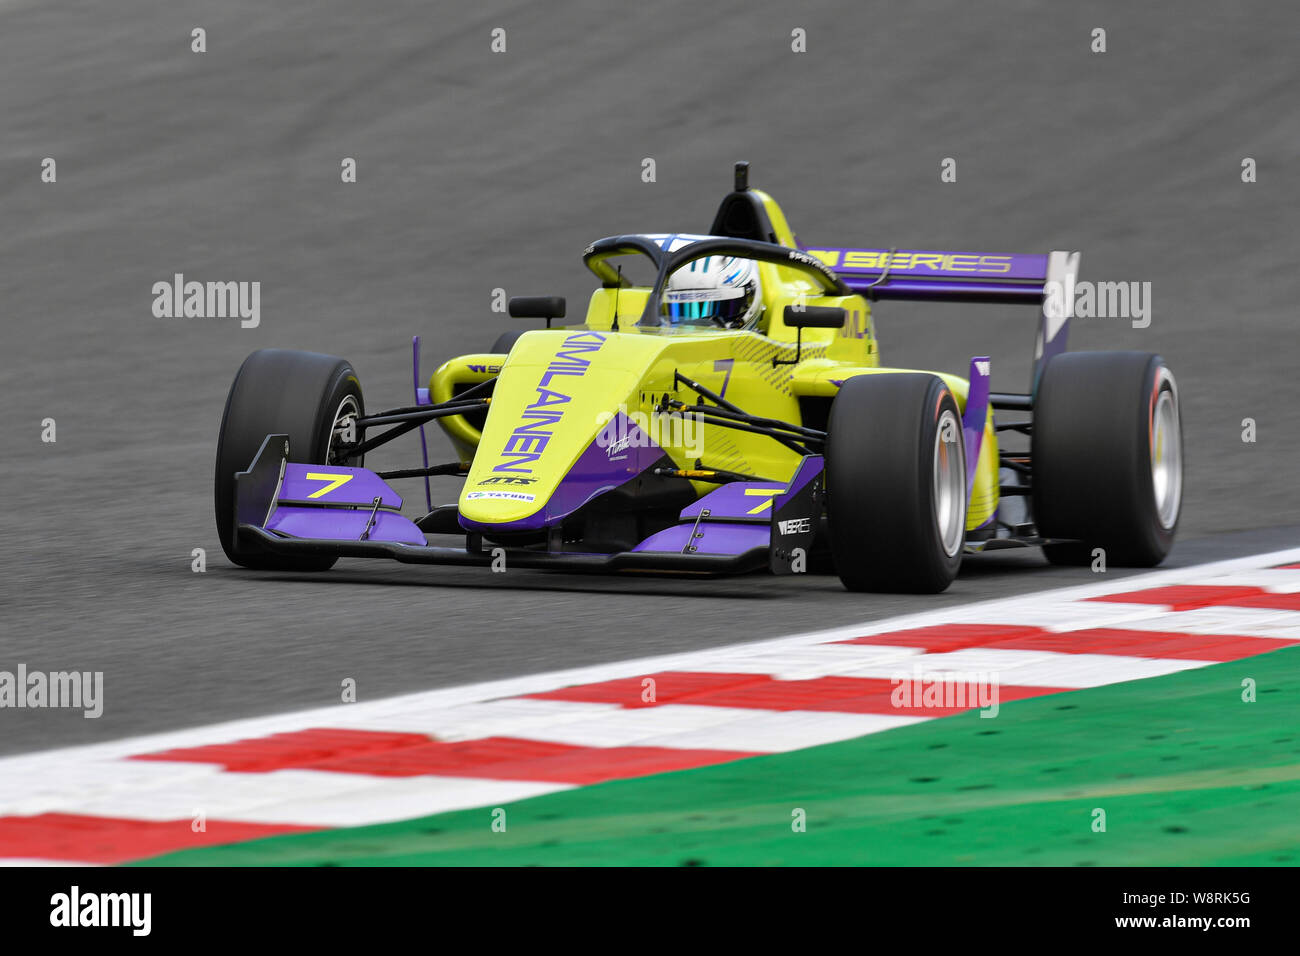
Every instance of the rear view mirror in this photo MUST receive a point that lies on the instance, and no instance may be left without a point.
(815, 317)
(810, 317)
(537, 307)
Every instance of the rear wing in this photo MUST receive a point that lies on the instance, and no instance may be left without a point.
(1045, 280)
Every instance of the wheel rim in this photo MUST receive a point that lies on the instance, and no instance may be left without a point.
(949, 483)
(1166, 457)
(347, 409)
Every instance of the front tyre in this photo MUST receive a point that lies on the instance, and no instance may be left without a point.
(1107, 455)
(896, 483)
(305, 395)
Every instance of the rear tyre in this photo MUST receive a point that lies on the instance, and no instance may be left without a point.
(504, 343)
(896, 483)
(304, 395)
(1107, 454)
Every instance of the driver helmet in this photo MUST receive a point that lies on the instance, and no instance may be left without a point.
(719, 291)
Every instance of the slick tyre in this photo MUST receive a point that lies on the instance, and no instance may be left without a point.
(1107, 453)
(896, 483)
(304, 395)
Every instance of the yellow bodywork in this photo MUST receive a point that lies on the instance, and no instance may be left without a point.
(558, 387)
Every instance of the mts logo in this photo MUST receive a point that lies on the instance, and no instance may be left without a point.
(795, 526)
(507, 480)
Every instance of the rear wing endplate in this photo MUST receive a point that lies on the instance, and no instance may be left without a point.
(1046, 280)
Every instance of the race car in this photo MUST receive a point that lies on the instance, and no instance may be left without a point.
(722, 408)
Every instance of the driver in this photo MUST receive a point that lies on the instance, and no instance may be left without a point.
(713, 292)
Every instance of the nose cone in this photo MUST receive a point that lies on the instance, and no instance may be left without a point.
(544, 451)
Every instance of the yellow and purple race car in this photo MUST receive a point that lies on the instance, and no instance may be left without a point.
(722, 408)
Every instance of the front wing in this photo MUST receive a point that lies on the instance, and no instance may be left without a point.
(289, 508)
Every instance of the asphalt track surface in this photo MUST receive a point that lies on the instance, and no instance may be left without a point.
(479, 170)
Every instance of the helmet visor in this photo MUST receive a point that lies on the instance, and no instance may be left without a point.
(705, 307)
